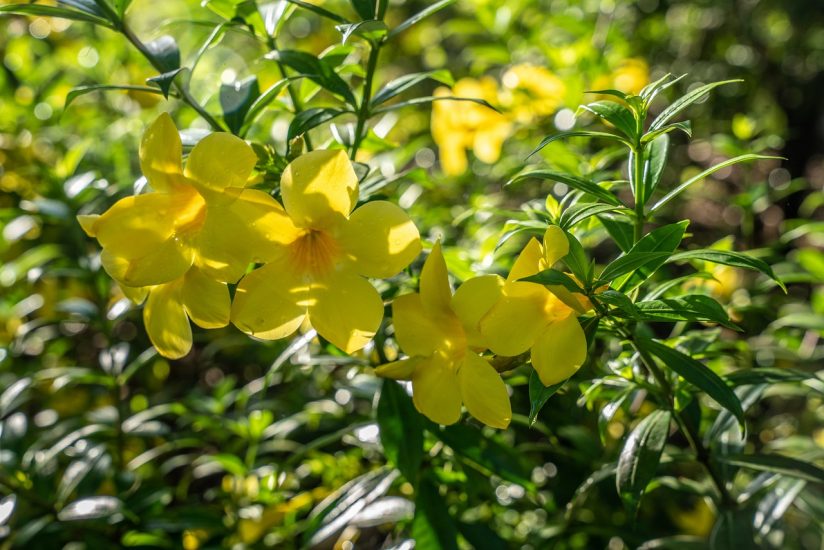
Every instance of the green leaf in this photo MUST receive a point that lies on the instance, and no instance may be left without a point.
(655, 160)
(775, 503)
(555, 277)
(629, 263)
(311, 118)
(684, 125)
(164, 81)
(767, 375)
(424, 13)
(372, 30)
(364, 8)
(616, 114)
(577, 213)
(165, 52)
(403, 83)
(319, 11)
(727, 257)
(616, 93)
(575, 182)
(401, 430)
(432, 526)
(539, 395)
(74, 93)
(619, 300)
(732, 530)
(264, 99)
(480, 535)
(664, 239)
(86, 6)
(577, 133)
(236, 99)
(316, 69)
(697, 374)
(778, 464)
(709, 171)
(651, 90)
(685, 101)
(620, 229)
(430, 99)
(640, 457)
(54, 11)
(690, 307)
(576, 260)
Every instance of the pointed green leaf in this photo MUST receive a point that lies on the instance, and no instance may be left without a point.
(401, 430)
(403, 83)
(685, 101)
(311, 118)
(316, 69)
(236, 99)
(616, 114)
(424, 13)
(539, 395)
(577, 133)
(730, 258)
(780, 464)
(640, 457)
(575, 182)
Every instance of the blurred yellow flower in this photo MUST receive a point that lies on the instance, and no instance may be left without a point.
(461, 125)
(202, 216)
(532, 92)
(630, 77)
(436, 329)
(321, 254)
(546, 320)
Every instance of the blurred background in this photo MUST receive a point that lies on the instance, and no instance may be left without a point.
(105, 444)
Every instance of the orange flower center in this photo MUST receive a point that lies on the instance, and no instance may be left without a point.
(314, 252)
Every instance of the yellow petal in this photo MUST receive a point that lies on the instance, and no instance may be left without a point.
(381, 239)
(221, 160)
(170, 260)
(435, 390)
(399, 370)
(166, 321)
(270, 302)
(436, 294)
(472, 300)
(160, 154)
(88, 223)
(528, 262)
(417, 332)
(254, 227)
(207, 301)
(135, 226)
(453, 155)
(559, 351)
(319, 188)
(345, 309)
(513, 324)
(484, 392)
(135, 294)
(490, 138)
(556, 245)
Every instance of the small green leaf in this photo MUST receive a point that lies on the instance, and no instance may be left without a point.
(311, 118)
(264, 99)
(577, 213)
(640, 457)
(236, 99)
(576, 260)
(577, 133)
(655, 159)
(401, 430)
(316, 69)
(165, 52)
(539, 395)
(54, 11)
(778, 464)
(616, 114)
(430, 99)
(164, 81)
(730, 258)
(619, 300)
(424, 13)
(684, 125)
(74, 93)
(697, 374)
(403, 83)
(575, 182)
(372, 30)
(555, 277)
(685, 101)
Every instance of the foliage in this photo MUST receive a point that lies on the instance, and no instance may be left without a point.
(638, 261)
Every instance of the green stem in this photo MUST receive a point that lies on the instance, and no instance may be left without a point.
(363, 112)
(638, 190)
(184, 93)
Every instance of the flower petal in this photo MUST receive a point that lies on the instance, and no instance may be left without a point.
(207, 301)
(436, 294)
(167, 262)
(270, 302)
(380, 238)
(416, 331)
(484, 392)
(319, 188)
(452, 155)
(221, 160)
(160, 154)
(513, 324)
(528, 262)
(472, 300)
(254, 227)
(399, 370)
(346, 310)
(556, 245)
(166, 321)
(435, 390)
(560, 350)
(135, 226)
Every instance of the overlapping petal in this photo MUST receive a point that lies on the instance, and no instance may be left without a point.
(166, 321)
(560, 350)
(220, 161)
(512, 325)
(160, 154)
(484, 392)
(270, 302)
(436, 391)
(206, 301)
(319, 188)
(415, 330)
(556, 245)
(380, 238)
(170, 260)
(472, 300)
(528, 262)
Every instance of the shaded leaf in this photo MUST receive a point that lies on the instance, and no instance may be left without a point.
(401, 430)
(539, 395)
(432, 526)
(640, 457)
(575, 182)
(776, 463)
(727, 257)
(311, 118)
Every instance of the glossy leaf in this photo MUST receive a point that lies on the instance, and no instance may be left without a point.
(615, 114)
(311, 118)
(403, 83)
(577, 133)
(727, 257)
(316, 69)
(539, 395)
(640, 457)
(575, 182)
(236, 99)
(685, 101)
(776, 463)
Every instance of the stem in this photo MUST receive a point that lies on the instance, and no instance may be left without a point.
(689, 431)
(638, 184)
(363, 112)
(184, 93)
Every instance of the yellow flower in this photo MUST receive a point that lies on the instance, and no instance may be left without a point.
(630, 77)
(461, 125)
(202, 216)
(534, 92)
(321, 256)
(529, 316)
(437, 330)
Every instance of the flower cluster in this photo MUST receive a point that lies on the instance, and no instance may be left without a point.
(200, 229)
